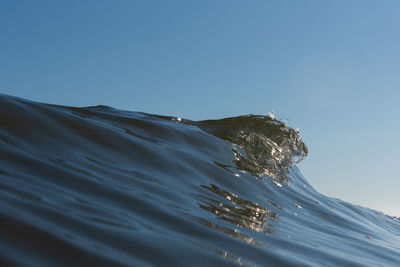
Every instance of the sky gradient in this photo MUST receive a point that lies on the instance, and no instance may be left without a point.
(330, 68)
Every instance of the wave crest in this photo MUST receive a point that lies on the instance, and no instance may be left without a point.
(263, 145)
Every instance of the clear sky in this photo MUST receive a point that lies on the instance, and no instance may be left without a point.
(332, 68)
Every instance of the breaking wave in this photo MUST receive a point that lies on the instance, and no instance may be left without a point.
(101, 186)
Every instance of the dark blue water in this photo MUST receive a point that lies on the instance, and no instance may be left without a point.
(101, 186)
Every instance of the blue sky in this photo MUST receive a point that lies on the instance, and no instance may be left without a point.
(330, 67)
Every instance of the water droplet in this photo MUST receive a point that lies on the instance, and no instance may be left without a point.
(276, 183)
(271, 115)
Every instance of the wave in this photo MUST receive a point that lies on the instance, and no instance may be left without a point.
(101, 186)
(263, 145)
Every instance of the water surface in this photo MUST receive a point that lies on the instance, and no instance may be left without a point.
(101, 186)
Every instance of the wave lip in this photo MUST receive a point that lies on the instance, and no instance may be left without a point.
(263, 145)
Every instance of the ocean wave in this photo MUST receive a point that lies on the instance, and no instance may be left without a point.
(101, 186)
